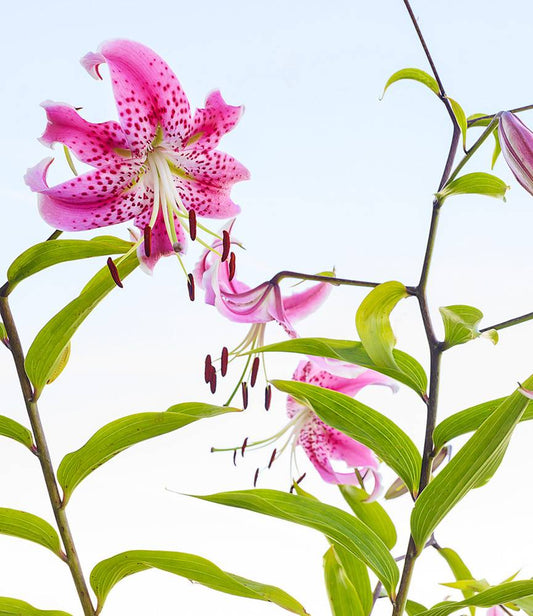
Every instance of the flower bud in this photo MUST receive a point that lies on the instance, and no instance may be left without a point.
(516, 141)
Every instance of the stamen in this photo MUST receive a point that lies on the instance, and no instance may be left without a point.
(224, 361)
(256, 476)
(231, 267)
(192, 224)
(297, 482)
(268, 396)
(255, 370)
(234, 457)
(213, 380)
(114, 272)
(207, 369)
(148, 240)
(243, 447)
(244, 388)
(190, 286)
(272, 458)
(226, 245)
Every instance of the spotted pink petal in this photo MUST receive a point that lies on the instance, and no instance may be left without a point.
(160, 242)
(94, 144)
(516, 141)
(147, 93)
(213, 122)
(96, 199)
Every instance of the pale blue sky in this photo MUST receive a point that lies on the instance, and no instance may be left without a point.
(338, 179)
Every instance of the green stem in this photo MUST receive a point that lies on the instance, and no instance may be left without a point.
(509, 323)
(44, 458)
(492, 115)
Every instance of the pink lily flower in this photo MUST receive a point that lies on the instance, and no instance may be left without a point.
(155, 166)
(516, 141)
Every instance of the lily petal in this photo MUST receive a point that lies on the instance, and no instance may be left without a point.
(517, 147)
(160, 243)
(213, 122)
(299, 305)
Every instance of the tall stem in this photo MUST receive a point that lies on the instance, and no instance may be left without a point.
(44, 457)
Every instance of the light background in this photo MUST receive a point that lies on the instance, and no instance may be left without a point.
(338, 179)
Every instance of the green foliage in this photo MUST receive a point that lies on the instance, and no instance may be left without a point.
(28, 526)
(51, 341)
(16, 607)
(415, 74)
(460, 116)
(461, 325)
(471, 467)
(460, 571)
(474, 183)
(340, 527)
(372, 514)
(46, 254)
(109, 572)
(12, 429)
(343, 597)
(373, 322)
(363, 424)
(357, 574)
(474, 121)
(409, 371)
(124, 432)
(413, 608)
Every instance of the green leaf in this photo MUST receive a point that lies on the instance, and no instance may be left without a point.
(12, 429)
(459, 569)
(3, 333)
(339, 526)
(413, 608)
(474, 183)
(357, 573)
(470, 419)
(525, 604)
(363, 424)
(460, 116)
(124, 432)
(415, 74)
(28, 526)
(496, 595)
(46, 254)
(51, 341)
(343, 598)
(372, 514)
(461, 324)
(469, 468)
(109, 572)
(373, 322)
(474, 122)
(16, 607)
(409, 371)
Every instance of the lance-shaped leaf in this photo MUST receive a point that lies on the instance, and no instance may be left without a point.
(357, 573)
(413, 608)
(482, 119)
(469, 468)
(460, 571)
(461, 325)
(46, 254)
(12, 429)
(53, 338)
(109, 572)
(16, 607)
(496, 595)
(414, 74)
(373, 322)
(31, 527)
(478, 183)
(363, 424)
(372, 514)
(470, 419)
(124, 432)
(339, 526)
(343, 597)
(409, 371)
(460, 116)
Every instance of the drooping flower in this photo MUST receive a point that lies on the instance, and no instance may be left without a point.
(516, 141)
(155, 166)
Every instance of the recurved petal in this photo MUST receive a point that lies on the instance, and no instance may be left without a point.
(160, 244)
(95, 144)
(147, 93)
(213, 122)
(300, 304)
(517, 147)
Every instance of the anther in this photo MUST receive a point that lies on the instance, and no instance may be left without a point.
(207, 368)
(231, 273)
(190, 286)
(297, 482)
(177, 248)
(224, 361)
(192, 224)
(243, 446)
(147, 240)
(226, 245)
(234, 457)
(256, 476)
(272, 458)
(213, 380)
(244, 388)
(255, 370)
(114, 272)
(268, 396)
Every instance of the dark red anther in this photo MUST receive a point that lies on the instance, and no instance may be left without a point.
(272, 458)
(243, 446)
(207, 368)
(213, 380)
(224, 361)
(148, 240)
(192, 224)
(226, 245)
(256, 476)
(255, 370)
(231, 273)
(234, 457)
(190, 286)
(114, 272)
(295, 483)
(301, 478)
(244, 388)
(268, 396)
